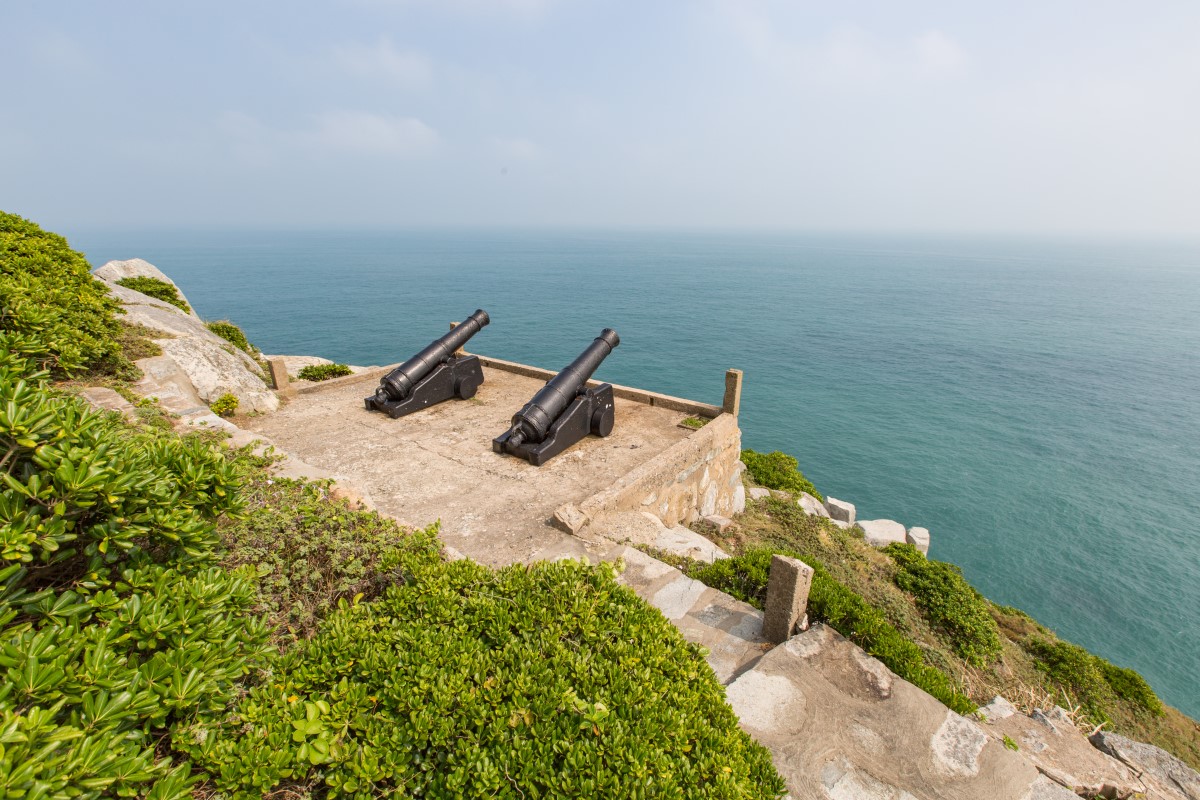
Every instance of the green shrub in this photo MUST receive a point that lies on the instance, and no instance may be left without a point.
(547, 680)
(745, 577)
(116, 627)
(232, 334)
(59, 315)
(225, 405)
(953, 607)
(312, 551)
(323, 372)
(1094, 682)
(778, 470)
(156, 288)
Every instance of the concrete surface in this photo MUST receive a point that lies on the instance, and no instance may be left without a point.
(438, 463)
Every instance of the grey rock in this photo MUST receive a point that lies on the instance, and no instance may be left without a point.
(114, 271)
(759, 493)
(718, 523)
(1155, 765)
(918, 538)
(811, 505)
(882, 532)
(998, 709)
(840, 510)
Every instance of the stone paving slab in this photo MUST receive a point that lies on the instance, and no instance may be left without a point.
(438, 463)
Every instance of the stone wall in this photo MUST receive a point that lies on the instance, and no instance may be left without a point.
(696, 477)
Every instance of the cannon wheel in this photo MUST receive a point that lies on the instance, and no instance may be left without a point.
(602, 421)
(466, 387)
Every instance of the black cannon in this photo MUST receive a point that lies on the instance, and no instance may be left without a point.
(432, 375)
(564, 410)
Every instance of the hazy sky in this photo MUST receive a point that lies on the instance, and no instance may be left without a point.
(1042, 116)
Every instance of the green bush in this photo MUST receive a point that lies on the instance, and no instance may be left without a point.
(778, 470)
(312, 552)
(232, 334)
(156, 288)
(745, 577)
(58, 314)
(953, 607)
(548, 680)
(323, 372)
(116, 626)
(225, 405)
(1094, 682)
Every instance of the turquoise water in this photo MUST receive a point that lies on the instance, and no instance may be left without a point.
(1032, 403)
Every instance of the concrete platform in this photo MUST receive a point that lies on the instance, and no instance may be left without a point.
(438, 464)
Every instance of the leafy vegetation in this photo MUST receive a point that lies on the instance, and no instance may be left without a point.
(55, 314)
(778, 470)
(225, 406)
(323, 372)
(951, 605)
(745, 577)
(313, 552)
(550, 680)
(232, 334)
(695, 423)
(156, 288)
(1092, 680)
(117, 625)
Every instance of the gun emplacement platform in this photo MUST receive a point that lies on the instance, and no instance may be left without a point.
(440, 464)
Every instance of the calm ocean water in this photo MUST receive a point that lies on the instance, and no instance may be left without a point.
(1033, 403)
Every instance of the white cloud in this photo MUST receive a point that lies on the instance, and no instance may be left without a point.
(382, 60)
(938, 54)
(362, 132)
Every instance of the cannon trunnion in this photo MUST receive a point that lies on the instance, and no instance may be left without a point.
(564, 410)
(432, 375)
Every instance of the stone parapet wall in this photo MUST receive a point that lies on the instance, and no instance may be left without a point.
(697, 477)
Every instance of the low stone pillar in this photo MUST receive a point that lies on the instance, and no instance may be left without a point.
(733, 392)
(280, 382)
(787, 597)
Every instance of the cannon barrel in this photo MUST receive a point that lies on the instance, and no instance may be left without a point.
(531, 422)
(398, 384)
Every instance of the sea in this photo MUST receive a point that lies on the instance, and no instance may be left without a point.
(1033, 402)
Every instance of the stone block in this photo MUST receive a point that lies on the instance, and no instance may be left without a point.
(759, 493)
(732, 403)
(278, 372)
(918, 538)
(569, 518)
(882, 532)
(787, 597)
(718, 523)
(840, 510)
(811, 505)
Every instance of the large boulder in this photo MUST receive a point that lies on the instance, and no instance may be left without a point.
(811, 505)
(212, 365)
(882, 532)
(840, 510)
(918, 538)
(114, 271)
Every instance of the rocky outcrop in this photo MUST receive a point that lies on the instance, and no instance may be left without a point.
(1164, 775)
(841, 725)
(211, 365)
(114, 271)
